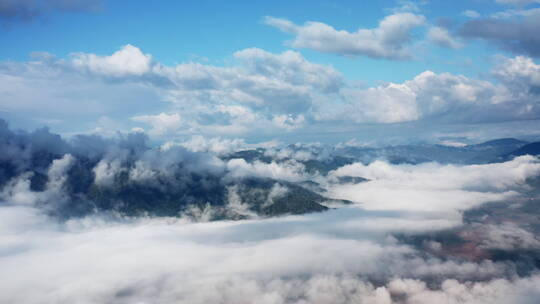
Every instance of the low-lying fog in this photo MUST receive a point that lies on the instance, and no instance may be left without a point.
(381, 248)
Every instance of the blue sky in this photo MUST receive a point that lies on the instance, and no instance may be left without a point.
(259, 70)
(175, 32)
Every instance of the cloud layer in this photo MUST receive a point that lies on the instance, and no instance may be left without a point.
(263, 93)
(341, 256)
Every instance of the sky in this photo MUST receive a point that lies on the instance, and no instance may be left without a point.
(293, 71)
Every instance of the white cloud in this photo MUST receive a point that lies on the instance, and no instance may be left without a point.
(432, 186)
(384, 104)
(57, 171)
(427, 95)
(289, 122)
(344, 255)
(162, 123)
(215, 145)
(266, 82)
(497, 291)
(471, 14)
(128, 61)
(289, 170)
(520, 72)
(105, 171)
(388, 41)
(32, 88)
(442, 37)
(451, 143)
(263, 94)
(508, 236)
(322, 258)
(290, 67)
(18, 190)
(281, 153)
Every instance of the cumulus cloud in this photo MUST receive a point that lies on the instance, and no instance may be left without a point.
(262, 87)
(128, 61)
(271, 83)
(388, 41)
(19, 190)
(290, 67)
(431, 95)
(427, 95)
(263, 94)
(106, 170)
(520, 73)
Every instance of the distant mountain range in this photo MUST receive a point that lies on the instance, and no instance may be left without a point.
(530, 149)
(325, 159)
(487, 152)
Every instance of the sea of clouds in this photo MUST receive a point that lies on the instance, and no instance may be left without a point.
(350, 254)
